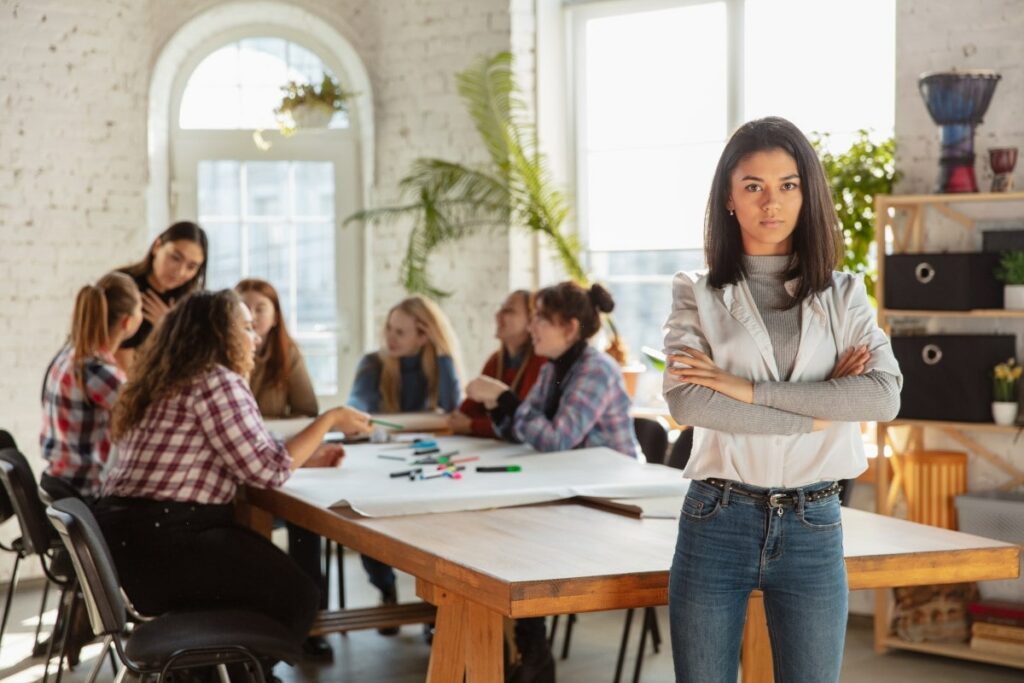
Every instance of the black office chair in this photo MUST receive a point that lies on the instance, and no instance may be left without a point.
(16, 547)
(680, 453)
(37, 538)
(653, 439)
(172, 641)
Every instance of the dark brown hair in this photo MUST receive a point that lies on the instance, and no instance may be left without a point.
(278, 342)
(98, 308)
(198, 333)
(568, 300)
(816, 239)
(182, 230)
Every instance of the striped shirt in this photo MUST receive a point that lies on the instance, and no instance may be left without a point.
(75, 438)
(198, 445)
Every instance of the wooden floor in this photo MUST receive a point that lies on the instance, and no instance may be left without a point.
(368, 657)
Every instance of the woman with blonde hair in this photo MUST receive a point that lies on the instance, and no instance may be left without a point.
(416, 371)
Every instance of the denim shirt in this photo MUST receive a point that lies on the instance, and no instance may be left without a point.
(413, 396)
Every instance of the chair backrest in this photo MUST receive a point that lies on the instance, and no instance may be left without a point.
(680, 454)
(94, 566)
(6, 508)
(653, 439)
(20, 484)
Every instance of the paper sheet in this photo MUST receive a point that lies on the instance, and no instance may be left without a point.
(363, 480)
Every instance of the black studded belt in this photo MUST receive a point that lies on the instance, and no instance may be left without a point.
(788, 497)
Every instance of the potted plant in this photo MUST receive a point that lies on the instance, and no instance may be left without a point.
(1011, 273)
(305, 105)
(1005, 377)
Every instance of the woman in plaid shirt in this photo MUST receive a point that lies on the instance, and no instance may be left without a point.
(189, 433)
(579, 401)
(81, 385)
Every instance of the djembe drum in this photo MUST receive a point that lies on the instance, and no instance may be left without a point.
(957, 101)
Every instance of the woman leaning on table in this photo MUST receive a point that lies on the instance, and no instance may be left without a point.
(775, 358)
(189, 433)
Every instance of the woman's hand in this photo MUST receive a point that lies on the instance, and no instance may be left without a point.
(460, 423)
(852, 363)
(153, 307)
(698, 368)
(349, 420)
(327, 455)
(486, 390)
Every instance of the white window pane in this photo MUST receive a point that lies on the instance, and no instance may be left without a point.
(224, 267)
(212, 107)
(258, 104)
(220, 69)
(270, 253)
(849, 85)
(656, 78)
(262, 62)
(303, 65)
(219, 190)
(314, 189)
(321, 355)
(315, 295)
(266, 188)
(649, 198)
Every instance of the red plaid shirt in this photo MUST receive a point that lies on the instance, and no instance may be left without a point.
(198, 445)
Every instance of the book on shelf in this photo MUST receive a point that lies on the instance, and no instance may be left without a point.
(997, 612)
(998, 631)
(995, 646)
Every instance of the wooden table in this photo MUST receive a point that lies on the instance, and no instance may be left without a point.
(480, 567)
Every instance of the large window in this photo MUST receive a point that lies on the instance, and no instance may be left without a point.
(658, 87)
(272, 204)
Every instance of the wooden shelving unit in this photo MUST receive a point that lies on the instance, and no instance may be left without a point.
(910, 238)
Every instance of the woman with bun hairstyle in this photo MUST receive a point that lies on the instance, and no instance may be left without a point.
(174, 266)
(515, 363)
(580, 399)
(81, 386)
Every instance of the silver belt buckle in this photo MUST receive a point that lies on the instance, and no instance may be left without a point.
(775, 500)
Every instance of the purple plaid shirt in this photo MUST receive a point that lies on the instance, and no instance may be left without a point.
(75, 439)
(594, 410)
(198, 445)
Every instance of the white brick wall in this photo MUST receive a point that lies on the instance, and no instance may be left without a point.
(74, 76)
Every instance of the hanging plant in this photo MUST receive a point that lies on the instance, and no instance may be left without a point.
(307, 106)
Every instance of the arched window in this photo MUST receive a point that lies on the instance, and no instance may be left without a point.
(273, 205)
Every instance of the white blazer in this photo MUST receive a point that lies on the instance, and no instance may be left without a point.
(725, 324)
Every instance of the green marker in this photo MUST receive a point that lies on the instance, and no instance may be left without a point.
(385, 423)
(502, 468)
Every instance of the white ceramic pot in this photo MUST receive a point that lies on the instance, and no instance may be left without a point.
(312, 115)
(1004, 412)
(1013, 297)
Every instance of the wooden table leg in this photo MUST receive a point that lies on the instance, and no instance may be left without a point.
(756, 652)
(483, 638)
(448, 651)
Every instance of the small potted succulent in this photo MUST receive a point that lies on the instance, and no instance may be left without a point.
(1011, 273)
(1005, 378)
(305, 105)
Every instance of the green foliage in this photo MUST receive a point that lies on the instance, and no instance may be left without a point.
(448, 200)
(329, 93)
(857, 175)
(1011, 268)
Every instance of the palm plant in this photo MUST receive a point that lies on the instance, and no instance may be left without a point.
(448, 200)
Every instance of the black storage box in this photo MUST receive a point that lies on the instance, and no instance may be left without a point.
(1002, 240)
(942, 282)
(949, 377)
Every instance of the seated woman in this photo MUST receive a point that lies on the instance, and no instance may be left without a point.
(189, 433)
(579, 401)
(415, 372)
(174, 266)
(282, 387)
(515, 364)
(81, 386)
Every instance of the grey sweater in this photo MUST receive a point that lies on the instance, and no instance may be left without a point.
(785, 407)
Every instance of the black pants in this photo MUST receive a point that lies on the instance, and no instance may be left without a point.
(175, 556)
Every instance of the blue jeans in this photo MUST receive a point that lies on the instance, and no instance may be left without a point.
(382, 576)
(729, 545)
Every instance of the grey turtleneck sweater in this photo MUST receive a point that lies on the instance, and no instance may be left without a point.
(785, 407)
